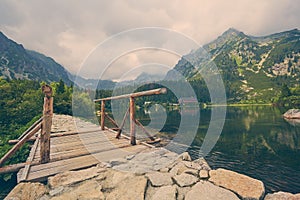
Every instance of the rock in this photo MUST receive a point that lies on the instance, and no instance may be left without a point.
(292, 114)
(27, 191)
(165, 169)
(191, 165)
(165, 193)
(181, 192)
(160, 179)
(56, 191)
(208, 191)
(185, 156)
(191, 171)
(245, 186)
(88, 190)
(184, 180)
(117, 161)
(72, 177)
(178, 169)
(130, 157)
(130, 187)
(202, 162)
(282, 196)
(203, 174)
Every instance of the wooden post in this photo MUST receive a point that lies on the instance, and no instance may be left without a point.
(132, 121)
(102, 114)
(46, 124)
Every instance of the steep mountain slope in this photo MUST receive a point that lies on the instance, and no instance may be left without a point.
(253, 68)
(18, 63)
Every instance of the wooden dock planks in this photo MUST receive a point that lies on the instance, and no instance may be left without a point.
(78, 151)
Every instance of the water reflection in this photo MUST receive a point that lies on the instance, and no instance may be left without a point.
(255, 141)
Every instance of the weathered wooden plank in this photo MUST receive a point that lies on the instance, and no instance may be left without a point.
(29, 160)
(48, 169)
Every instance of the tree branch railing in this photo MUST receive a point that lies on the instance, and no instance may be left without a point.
(43, 125)
(130, 111)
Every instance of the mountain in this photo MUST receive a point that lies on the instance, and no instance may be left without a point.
(16, 62)
(92, 83)
(253, 68)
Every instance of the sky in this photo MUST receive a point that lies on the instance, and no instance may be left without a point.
(70, 30)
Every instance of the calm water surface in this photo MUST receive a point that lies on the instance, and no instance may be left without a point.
(255, 141)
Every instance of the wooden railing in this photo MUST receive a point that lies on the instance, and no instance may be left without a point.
(43, 125)
(130, 111)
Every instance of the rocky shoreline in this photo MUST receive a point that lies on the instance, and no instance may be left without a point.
(152, 174)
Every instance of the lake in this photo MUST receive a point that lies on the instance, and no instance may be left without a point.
(255, 141)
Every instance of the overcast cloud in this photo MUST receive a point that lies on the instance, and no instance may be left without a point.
(68, 30)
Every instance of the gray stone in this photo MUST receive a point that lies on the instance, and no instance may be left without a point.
(203, 174)
(191, 171)
(117, 161)
(191, 165)
(207, 191)
(184, 180)
(245, 186)
(27, 191)
(130, 157)
(88, 190)
(128, 187)
(72, 177)
(202, 162)
(56, 191)
(181, 192)
(165, 193)
(160, 179)
(282, 196)
(185, 156)
(178, 169)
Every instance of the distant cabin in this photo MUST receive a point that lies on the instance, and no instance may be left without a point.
(187, 101)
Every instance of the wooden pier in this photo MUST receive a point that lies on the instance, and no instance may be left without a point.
(72, 151)
(57, 151)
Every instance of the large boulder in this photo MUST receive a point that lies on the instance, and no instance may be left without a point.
(165, 193)
(208, 191)
(292, 114)
(282, 196)
(184, 180)
(88, 190)
(27, 191)
(160, 179)
(129, 187)
(245, 186)
(72, 177)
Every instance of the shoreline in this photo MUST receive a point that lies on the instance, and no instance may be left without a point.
(155, 173)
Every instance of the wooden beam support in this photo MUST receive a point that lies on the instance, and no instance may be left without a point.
(132, 121)
(111, 120)
(19, 144)
(122, 124)
(102, 115)
(145, 131)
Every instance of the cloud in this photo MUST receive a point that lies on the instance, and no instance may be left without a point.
(69, 30)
